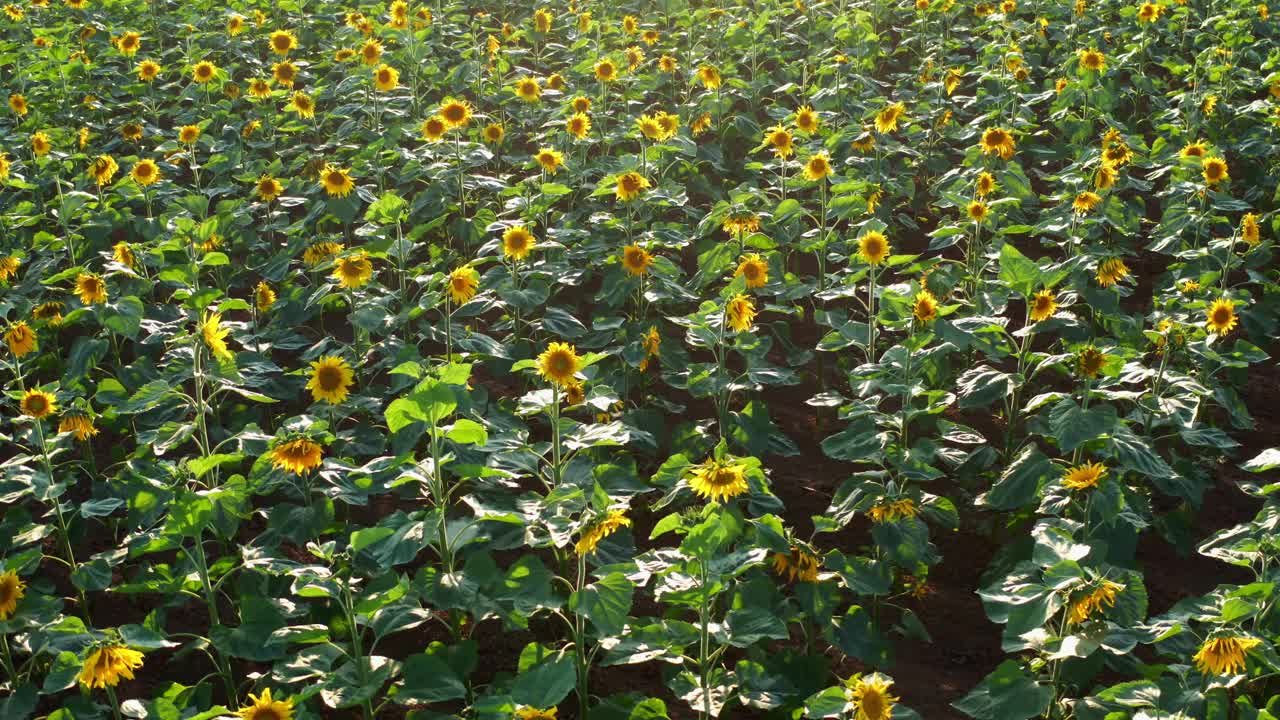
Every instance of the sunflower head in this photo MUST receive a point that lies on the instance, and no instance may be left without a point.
(925, 308)
(1225, 654)
(1085, 202)
(12, 589)
(754, 270)
(578, 125)
(215, 336)
(985, 185)
(1043, 305)
(1092, 60)
(517, 242)
(719, 480)
(21, 339)
(797, 566)
(997, 141)
(873, 247)
(336, 181)
(527, 89)
(204, 71)
(1083, 477)
(630, 185)
(91, 288)
(493, 133)
(1111, 271)
(1214, 170)
(740, 313)
(331, 379)
(780, 140)
(38, 404)
(282, 41)
(107, 665)
(636, 260)
(457, 113)
(709, 76)
(550, 160)
(559, 363)
(817, 167)
(591, 538)
(463, 284)
(870, 695)
(353, 271)
(606, 70)
(386, 78)
(298, 455)
(1089, 362)
(264, 707)
(1221, 318)
(263, 297)
(888, 117)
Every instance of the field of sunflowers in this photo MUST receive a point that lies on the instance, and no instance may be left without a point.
(633, 360)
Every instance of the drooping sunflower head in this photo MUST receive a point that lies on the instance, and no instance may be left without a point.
(530, 713)
(719, 480)
(889, 116)
(122, 253)
(79, 425)
(1089, 362)
(925, 308)
(798, 565)
(9, 265)
(108, 665)
(21, 339)
(873, 247)
(1093, 601)
(1043, 305)
(214, 334)
(893, 510)
(1225, 654)
(630, 185)
(1085, 202)
(282, 41)
(997, 141)
(299, 456)
(870, 694)
(636, 260)
(634, 56)
(1221, 317)
(321, 251)
(740, 313)
(559, 363)
(818, 167)
(1249, 229)
(263, 297)
(754, 270)
(353, 271)
(1111, 271)
(336, 181)
(1105, 177)
(103, 168)
(517, 242)
(592, 537)
(12, 589)
(331, 379)
(48, 312)
(1214, 170)
(709, 76)
(91, 288)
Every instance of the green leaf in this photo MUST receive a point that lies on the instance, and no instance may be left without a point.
(1268, 459)
(1073, 427)
(545, 683)
(468, 432)
(1008, 693)
(1018, 271)
(428, 405)
(606, 603)
(362, 539)
(430, 678)
(124, 316)
(1019, 484)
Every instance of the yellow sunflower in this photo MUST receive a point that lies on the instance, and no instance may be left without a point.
(298, 456)
(1092, 60)
(718, 480)
(818, 167)
(91, 288)
(268, 188)
(284, 73)
(40, 144)
(985, 185)
(1111, 271)
(456, 113)
(371, 52)
(264, 707)
(1085, 202)
(997, 141)
(1043, 305)
(79, 425)
(591, 538)
(37, 404)
(1249, 229)
(1224, 655)
(797, 565)
(204, 71)
(282, 41)
(1149, 12)
(49, 312)
(887, 119)
(215, 336)
(263, 297)
(104, 168)
(386, 78)
(320, 252)
(754, 270)
(463, 283)
(550, 160)
(1084, 476)
(145, 172)
(353, 271)
(517, 242)
(873, 247)
(9, 265)
(529, 713)
(12, 589)
(559, 363)
(148, 70)
(779, 138)
(107, 665)
(21, 339)
(331, 379)
(740, 313)
(578, 125)
(1221, 318)
(1089, 362)
(493, 133)
(926, 307)
(630, 186)
(527, 89)
(636, 260)
(1214, 170)
(1094, 601)
(806, 120)
(709, 76)
(336, 181)
(871, 696)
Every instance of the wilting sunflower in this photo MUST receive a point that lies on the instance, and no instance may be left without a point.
(1224, 655)
(591, 538)
(529, 713)
(131, 131)
(818, 167)
(299, 456)
(1249, 229)
(79, 425)
(145, 172)
(215, 336)
(1214, 170)
(1083, 477)
(49, 312)
(888, 117)
(1221, 318)
(636, 260)
(386, 78)
(204, 71)
(21, 339)
(1106, 177)
(1092, 60)
(264, 707)
(263, 297)
(1111, 271)
(738, 224)
(527, 89)
(550, 160)
(578, 125)
(709, 76)
(320, 252)
(926, 307)
(1094, 601)
(740, 313)
(559, 363)
(1089, 362)
(700, 124)
(493, 133)
(1085, 202)
(12, 589)
(517, 242)
(873, 247)
(718, 480)
(871, 696)
(797, 565)
(104, 168)
(1043, 305)
(456, 113)
(282, 41)
(997, 141)
(754, 270)
(331, 379)
(336, 181)
(91, 288)
(107, 665)
(353, 271)
(9, 265)
(38, 404)
(630, 186)
(893, 510)
(652, 343)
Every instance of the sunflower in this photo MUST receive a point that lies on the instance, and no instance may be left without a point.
(527, 89)
(893, 510)
(887, 119)
(40, 144)
(709, 76)
(605, 70)
(302, 104)
(79, 425)
(754, 270)
(634, 56)
(321, 251)
(1085, 202)
(1089, 362)
(298, 456)
(1220, 318)
(21, 339)
(268, 188)
(353, 271)
(542, 21)
(529, 713)
(4, 165)
(591, 538)
(1094, 601)
(331, 378)
(284, 73)
(215, 336)
(667, 64)
(952, 80)
(1084, 476)
(700, 124)
(131, 131)
(371, 52)
(282, 41)
(38, 404)
(1214, 170)
(264, 707)
(91, 288)
(1149, 12)
(386, 78)
(1195, 149)
(455, 113)
(235, 25)
(818, 167)
(462, 284)
(336, 181)
(630, 185)
(779, 138)
(1111, 271)
(806, 120)
(493, 133)
(580, 104)
(188, 134)
(148, 70)
(739, 224)
(652, 343)
(12, 589)
(107, 665)
(985, 185)
(739, 312)
(1106, 177)
(578, 125)
(1043, 305)
(630, 24)
(49, 312)
(517, 242)
(997, 141)
(18, 104)
(649, 127)
(103, 169)
(9, 266)
(977, 211)
(343, 54)
(559, 363)
(263, 297)
(636, 260)
(204, 71)
(873, 247)
(926, 307)
(1224, 655)
(871, 696)
(718, 480)
(797, 565)
(1092, 60)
